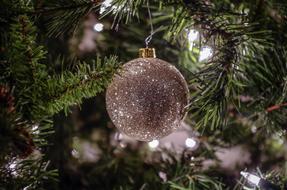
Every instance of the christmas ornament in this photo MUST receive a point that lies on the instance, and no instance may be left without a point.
(146, 100)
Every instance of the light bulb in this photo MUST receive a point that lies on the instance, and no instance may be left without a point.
(205, 53)
(35, 129)
(75, 153)
(123, 144)
(153, 144)
(190, 143)
(192, 36)
(105, 4)
(251, 178)
(12, 166)
(118, 136)
(98, 27)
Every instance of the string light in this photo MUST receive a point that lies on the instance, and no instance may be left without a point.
(75, 153)
(123, 145)
(153, 144)
(163, 176)
(192, 36)
(118, 136)
(35, 129)
(205, 53)
(190, 143)
(251, 178)
(253, 129)
(27, 187)
(112, 8)
(105, 5)
(259, 182)
(12, 166)
(98, 27)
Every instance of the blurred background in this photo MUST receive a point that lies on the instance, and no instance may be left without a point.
(90, 153)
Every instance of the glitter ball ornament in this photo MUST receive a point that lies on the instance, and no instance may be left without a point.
(146, 99)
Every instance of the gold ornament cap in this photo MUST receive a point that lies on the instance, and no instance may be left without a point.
(147, 53)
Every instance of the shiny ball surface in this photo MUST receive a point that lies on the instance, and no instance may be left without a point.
(146, 99)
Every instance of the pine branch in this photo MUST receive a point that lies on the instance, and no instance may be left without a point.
(65, 16)
(221, 75)
(12, 141)
(265, 82)
(17, 170)
(27, 174)
(138, 170)
(60, 92)
(25, 70)
(70, 88)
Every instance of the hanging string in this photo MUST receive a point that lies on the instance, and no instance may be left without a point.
(149, 38)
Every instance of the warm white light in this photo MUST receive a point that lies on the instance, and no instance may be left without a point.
(98, 27)
(114, 8)
(105, 4)
(253, 129)
(120, 136)
(192, 36)
(123, 145)
(35, 129)
(12, 167)
(205, 53)
(75, 153)
(190, 143)
(26, 188)
(153, 144)
(162, 175)
(251, 178)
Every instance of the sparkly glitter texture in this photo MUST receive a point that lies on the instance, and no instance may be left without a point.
(146, 99)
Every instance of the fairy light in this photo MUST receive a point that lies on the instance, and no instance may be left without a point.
(153, 144)
(112, 7)
(190, 143)
(253, 129)
(205, 53)
(35, 129)
(123, 145)
(75, 153)
(105, 5)
(251, 178)
(261, 183)
(163, 176)
(12, 166)
(27, 187)
(192, 36)
(98, 27)
(118, 136)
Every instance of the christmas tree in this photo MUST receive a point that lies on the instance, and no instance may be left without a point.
(213, 114)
